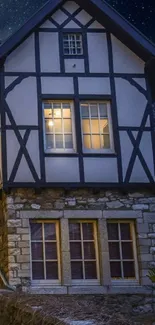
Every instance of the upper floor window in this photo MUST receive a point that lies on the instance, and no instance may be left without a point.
(58, 122)
(72, 44)
(96, 126)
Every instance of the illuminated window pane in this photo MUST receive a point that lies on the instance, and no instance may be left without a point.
(66, 113)
(96, 142)
(87, 141)
(104, 127)
(50, 141)
(86, 126)
(105, 141)
(95, 126)
(59, 141)
(58, 125)
(67, 126)
(47, 113)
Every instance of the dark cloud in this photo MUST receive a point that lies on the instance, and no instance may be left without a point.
(14, 13)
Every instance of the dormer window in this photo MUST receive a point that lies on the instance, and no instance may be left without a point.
(72, 44)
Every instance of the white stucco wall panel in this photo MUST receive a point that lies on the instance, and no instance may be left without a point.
(125, 61)
(49, 52)
(83, 17)
(22, 101)
(130, 103)
(98, 52)
(71, 24)
(9, 80)
(71, 6)
(23, 58)
(47, 24)
(33, 150)
(23, 173)
(74, 65)
(126, 151)
(62, 170)
(96, 25)
(94, 86)
(100, 170)
(138, 174)
(141, 82)
(12, 146)
(59, 16)
(146, 150)
(57, 85)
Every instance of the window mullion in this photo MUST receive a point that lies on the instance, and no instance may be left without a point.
(82, 250)
(120, 248)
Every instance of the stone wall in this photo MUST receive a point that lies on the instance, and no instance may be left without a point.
(24, 204)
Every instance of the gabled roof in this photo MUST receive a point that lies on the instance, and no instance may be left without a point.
(101, 11)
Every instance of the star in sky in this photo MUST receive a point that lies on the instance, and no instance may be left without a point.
(14, 13)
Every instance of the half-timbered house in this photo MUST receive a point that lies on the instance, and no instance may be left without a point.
(77, 151)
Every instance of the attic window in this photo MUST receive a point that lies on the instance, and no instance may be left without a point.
(72, 44)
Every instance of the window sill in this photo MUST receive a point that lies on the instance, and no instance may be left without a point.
(124, 282)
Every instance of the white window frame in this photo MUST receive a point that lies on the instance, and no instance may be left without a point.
(104, 150)
(124, 281)
(48, 281)
(87, 281)
(73, 128)
(69, 42)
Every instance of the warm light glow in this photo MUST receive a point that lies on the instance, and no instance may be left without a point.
(57, 113)
(50, 123)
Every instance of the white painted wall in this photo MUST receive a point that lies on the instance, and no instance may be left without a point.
(83, 17)
(23, 173)
(130, 103)
(33, 150)
(101, 170)
(49, 52)
(126, 151)
(146, 150)
(23, 58)
(138, 174)
(74, 65)
(47, 24)
(71, 6)
(57, 85)
(59, 16)
(94, 86)
(62, 170)
(12, 146)
(125, 61)
(22, 101)
(98, 52)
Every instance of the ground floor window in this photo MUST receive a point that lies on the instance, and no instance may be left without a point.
(83, 250)
(122, 250)
(45, 250)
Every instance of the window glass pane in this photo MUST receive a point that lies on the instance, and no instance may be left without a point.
(112, 231)
(94, 110)
(105, 141)
(74, 231)
(59, 141)
(52, 270)
(86, 126)
(87, 141)
(95, 126)
(37, 270)
(75, 251)
(36, 231)
(114, 251)
(103, 110)
(127, 251)
(76, 270)
(96, 142)
(48, 113)
(104, 127)
(66, 113)
(125, 231)
(50, 232)
(57, 113)
(67, 125)
(88, 232)
(85, 110)
(37, 251)
(49, 126)
(50, 251)
(57, 105)
(89, 251)
(90, 270)
(68, 142)
(129, 269)
(66, 51)
(47, 105)
(115, 268)
(49, 141)
(58, 125)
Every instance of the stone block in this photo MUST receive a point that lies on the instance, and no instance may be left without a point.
(114, 204)
(25, 237)
(143, 228)
(23, 244)
(11, 244)
(152, 207)
(11, 259)
(145, 281)
(49, 290)
(149, 217)
(152, 250)
(144, 242)
(83, 214)
(96, 289)
(25, 251)
(22, 230)
(18, 206)
(25, 266)
(25, 223)
(23, 258)
(122, 214)
(14, 251)
(24, 273)
(14, 238)
(31, 214)
(151, 235)
(35, 206)
(144, 249)
(140, 207)
(146, 257)
(65, 247)
(14, 223)
(14, 281)
(136, 195)
(9, 200)
(142, 236)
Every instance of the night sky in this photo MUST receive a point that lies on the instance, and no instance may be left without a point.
(14, 13)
